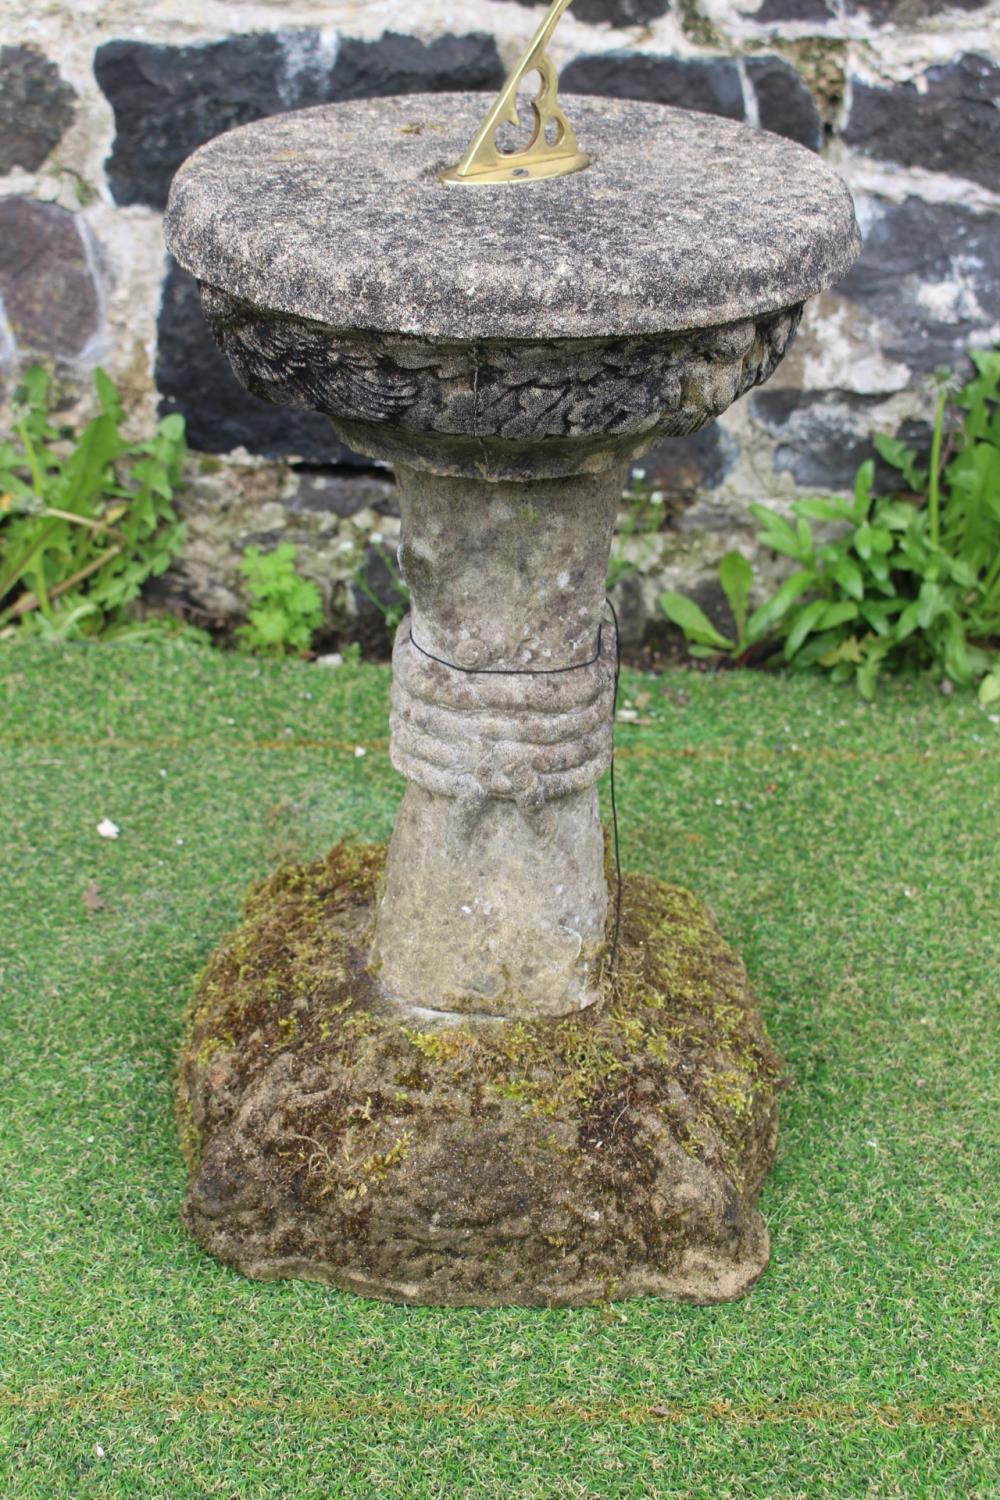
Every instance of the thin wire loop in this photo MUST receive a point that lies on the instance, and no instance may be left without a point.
(578, 666)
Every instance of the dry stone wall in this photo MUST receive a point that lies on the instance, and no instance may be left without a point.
(100, 100)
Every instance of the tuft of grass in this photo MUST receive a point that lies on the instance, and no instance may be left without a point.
(850, 854)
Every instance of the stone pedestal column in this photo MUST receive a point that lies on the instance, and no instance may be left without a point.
(356, 1103)
(495, 899)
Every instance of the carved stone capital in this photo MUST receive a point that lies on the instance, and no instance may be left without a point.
(499, 408)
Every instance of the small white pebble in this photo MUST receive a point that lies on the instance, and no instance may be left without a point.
(359, 752)
(107, 829)
(98, 1450)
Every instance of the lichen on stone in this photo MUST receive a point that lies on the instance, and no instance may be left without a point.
(328, 1136)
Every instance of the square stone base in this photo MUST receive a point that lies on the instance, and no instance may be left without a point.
(603, 1155)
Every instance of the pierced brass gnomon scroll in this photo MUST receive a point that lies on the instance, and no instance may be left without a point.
(552, 150)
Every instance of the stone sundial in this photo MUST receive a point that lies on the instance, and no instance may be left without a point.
(432, 1074)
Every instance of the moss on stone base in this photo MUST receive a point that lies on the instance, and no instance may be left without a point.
(616, 1151)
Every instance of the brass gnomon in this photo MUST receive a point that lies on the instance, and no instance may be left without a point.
(552, 150)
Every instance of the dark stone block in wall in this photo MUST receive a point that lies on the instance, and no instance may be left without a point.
(711, 85)
(809, 11)
(333, 492)
(398, 64)
(952, 126)
(907, 12)
(784, 104)
(382, 592)
(881, 12)
(170, 100)
(930, 273)
(825, 436)
(614, 12)
(47, 285)
(37, 107)
(682, 466)
(194, 378)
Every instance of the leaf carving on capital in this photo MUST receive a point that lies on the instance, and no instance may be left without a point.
(644, 387)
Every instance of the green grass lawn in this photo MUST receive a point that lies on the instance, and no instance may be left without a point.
(851, 853)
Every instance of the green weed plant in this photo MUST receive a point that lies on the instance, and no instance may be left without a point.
(84, 524)
(287, 609)
(906, 582)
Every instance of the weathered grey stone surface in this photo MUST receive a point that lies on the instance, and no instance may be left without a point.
(329, 515)
(37, 107)
(298, 214)
(495, 898)
(401, 64)
(828, 433)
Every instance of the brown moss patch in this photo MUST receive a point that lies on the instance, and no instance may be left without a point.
(347, 1105)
